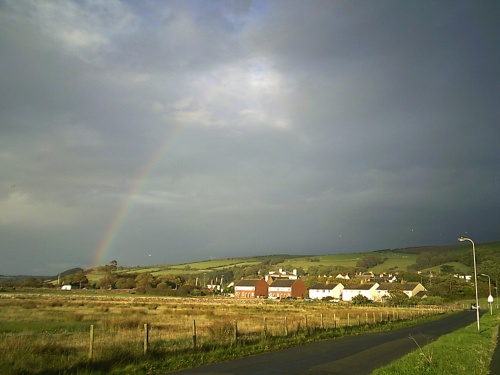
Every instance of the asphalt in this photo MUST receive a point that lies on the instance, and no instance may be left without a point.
(358, 355)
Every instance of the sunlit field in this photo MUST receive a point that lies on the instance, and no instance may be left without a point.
(50, 333)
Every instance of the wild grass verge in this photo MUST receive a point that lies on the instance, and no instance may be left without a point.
(464, 352)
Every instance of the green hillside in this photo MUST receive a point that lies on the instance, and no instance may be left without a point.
(457, 258)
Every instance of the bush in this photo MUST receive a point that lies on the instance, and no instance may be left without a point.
(360, 300)
(432, 300)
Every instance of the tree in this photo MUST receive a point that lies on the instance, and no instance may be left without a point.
(125, 283)
(107, 281)
(175, 281)
(451, 288)
(492, 269)
(76, 279)
(397, 296)
(360, 300)
(32, 282)
(446, 268)
(369, 261)
(144, 282)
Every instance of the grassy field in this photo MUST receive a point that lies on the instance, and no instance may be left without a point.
(50, 333)
(395, 260)
(463, 352)
(345, 260)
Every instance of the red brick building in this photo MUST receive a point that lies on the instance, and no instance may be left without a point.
(287, 288)
(251, 288)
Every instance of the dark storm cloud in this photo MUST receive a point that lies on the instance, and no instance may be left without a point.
(306, 128)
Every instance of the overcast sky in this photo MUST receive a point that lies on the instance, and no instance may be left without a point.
(153, 132)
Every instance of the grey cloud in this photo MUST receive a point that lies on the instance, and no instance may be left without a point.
(239, 128)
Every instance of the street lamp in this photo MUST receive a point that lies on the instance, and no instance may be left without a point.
(462, 239)
(490, 297)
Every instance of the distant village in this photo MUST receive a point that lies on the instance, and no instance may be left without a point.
(285, 285)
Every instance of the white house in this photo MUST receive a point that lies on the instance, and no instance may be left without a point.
(367, 289)
(280, 275)
(320, 290)
(340, 276)
(410, 289)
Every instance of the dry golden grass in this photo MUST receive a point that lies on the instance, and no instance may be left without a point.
(41, 331)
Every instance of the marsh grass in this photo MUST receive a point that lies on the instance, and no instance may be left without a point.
(49, 334)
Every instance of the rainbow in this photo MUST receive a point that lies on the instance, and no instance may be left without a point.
(114, 227)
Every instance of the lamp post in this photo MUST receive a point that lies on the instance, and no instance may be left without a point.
(462, 239)
(490, 297)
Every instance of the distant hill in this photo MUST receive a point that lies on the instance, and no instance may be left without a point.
(457, 257)
(454, 258)
(20, 280)
(70, 272)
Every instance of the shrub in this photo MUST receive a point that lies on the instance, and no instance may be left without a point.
(360, 300)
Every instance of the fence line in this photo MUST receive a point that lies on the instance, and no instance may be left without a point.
(234, 331)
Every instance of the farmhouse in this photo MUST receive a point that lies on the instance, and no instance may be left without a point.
(251, 288)
(367, 289)
(287, 288)
(320, 290)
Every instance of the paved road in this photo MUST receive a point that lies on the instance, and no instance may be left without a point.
(344, 356)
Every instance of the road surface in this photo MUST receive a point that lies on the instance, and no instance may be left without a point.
(357, 355)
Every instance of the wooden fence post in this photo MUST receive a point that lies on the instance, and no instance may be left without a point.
(146, 338)
(91, 344)
(348, 320)
(265, 328)
(194, 334)
(359, 322)
(322, 322)
(335, 321)
(286, 327)
(235, 330)
(305, 321)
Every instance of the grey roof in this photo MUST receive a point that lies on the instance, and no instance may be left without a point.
(365, 286)
(324, 286)
(283, 283)
(402, 286)
(247, 282)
